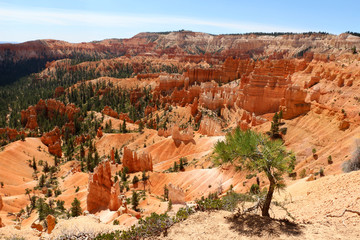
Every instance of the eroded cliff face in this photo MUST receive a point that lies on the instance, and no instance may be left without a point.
(102, 192)
(137, 162)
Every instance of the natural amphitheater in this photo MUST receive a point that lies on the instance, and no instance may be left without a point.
(181, 135)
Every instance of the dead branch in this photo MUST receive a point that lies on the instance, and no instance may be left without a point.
(346, 210)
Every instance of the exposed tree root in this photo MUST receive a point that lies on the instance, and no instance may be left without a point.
(346, 210)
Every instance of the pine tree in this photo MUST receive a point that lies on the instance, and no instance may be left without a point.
(34, 164)
(123, 127)
(258, 153)
(166, 193)
(135, 200)
(75, 208)
(42, 181)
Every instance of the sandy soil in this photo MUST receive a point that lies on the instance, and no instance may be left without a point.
(310, 203)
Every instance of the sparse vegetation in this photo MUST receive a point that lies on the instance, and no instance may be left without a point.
(257, 152)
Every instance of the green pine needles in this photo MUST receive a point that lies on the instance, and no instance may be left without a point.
(257, 153)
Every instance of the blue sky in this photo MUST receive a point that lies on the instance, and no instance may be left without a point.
(87, 20)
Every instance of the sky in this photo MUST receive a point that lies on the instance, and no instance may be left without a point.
(88, 20)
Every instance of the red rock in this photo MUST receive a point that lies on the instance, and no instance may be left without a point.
(11, 134)
(51, 222)
(1, 224)
(125, 116)
(49, 109)
(55, 149)
(194, 107)
(344, 124)
(37, 226)
(1, 203)
(112, 156)
(135, 162)
(51, 137)
(115, 201)
(59, 91)
(110, 112)
(70, 126)
(28, 118)
(99, 188)
(99, 133)
(186, 135)
(150, 109)
(295, 104)
(147, 75)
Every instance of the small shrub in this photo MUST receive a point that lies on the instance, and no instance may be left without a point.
(77, 189)
(116, 222)
(302, 173)
(169, 205)
(49, 193)
(57, 192)
(321, 172)
(329, 159)
(135, 180)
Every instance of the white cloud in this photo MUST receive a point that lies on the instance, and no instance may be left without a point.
(91, 19)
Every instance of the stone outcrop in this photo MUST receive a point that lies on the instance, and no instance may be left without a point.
(1, 203)
(176, 194)
(293, 104)
(110, 112)
(50, 222)
(137, 162)
(177, 134)
(210, 127)
(125, 116)
(99, 133)
(186, 135)
(59, 91)
(49, 108)
(11, 134)
(102, 194)
(28, 118)
(52, 139)
(37, 226)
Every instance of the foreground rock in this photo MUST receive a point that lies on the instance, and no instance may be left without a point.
(102, 193)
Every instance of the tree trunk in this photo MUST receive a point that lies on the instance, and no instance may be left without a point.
(266, 206)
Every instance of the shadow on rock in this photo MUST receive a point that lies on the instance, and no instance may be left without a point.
(255, 225)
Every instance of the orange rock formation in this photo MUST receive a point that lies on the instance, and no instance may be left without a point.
(52, 139)
(135, 162)
(101, 192)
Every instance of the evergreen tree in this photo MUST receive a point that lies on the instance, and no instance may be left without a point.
(42, 181)
(166, 193)
(258, 153)
(123, 127)
(75, 208)
(135, 200)
(34, 164)
(181, 167)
